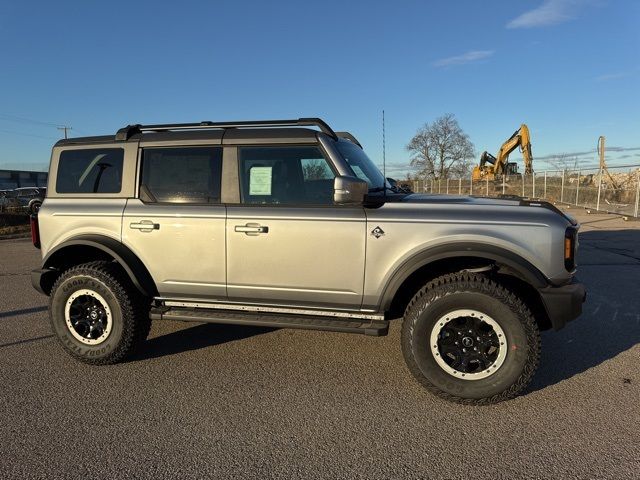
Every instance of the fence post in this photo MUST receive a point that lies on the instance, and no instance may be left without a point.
(447, 186)
(523, 184)
(504, 183)
(533, 185)
(637, 191)
(544, 195)
(471, 186)
(599, 189)
(577, 188)
(562, 188)
(439, 184)
(487, 187)
(460, 186)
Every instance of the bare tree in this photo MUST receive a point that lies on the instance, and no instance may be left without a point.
(315, 170)
(441, 149)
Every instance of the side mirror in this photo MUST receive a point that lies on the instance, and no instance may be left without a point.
(349, 190)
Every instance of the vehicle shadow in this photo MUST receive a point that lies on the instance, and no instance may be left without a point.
(24, 311)
(609, 266)
(195, 338)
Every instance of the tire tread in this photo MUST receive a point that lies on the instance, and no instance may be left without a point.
(133, 305)
(465, 282)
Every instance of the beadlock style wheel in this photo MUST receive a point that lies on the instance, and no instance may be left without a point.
(468, 344)
(469, 339)
(97, 314)
(88, 317)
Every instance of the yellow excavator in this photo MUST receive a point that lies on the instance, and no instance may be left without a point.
(491, 167)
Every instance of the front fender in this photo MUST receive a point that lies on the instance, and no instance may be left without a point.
(515, 263)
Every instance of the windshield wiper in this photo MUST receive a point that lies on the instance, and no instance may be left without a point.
(382, 189)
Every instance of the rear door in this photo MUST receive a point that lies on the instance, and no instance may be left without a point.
(287, 243)
(176, 226)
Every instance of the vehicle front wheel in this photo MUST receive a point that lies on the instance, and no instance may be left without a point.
(468, 339)
(97, 315)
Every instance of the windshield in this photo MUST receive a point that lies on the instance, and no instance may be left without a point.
(362, 165)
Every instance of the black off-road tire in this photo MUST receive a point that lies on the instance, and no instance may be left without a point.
(471, 291)
(129, 312)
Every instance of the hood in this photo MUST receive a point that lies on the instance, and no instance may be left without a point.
(460, 199)
(510, 201)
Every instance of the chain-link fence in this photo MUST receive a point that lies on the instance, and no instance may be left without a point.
(615, 190)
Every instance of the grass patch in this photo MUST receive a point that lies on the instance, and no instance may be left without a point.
(13, 219)
(14, 230)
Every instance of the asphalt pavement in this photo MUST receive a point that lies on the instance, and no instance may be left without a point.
(230, 402)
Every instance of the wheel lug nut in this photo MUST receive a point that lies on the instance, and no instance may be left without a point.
(464, 350)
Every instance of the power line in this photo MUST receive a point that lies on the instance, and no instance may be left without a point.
(28, 120)
(27, 134)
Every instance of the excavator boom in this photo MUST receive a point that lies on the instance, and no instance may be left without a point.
(498, 164)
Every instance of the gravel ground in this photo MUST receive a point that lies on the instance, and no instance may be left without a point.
(223, 401)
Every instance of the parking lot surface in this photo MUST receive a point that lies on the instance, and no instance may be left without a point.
(224, 401)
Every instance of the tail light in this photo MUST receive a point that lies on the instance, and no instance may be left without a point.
(570, 240)
(35, 230)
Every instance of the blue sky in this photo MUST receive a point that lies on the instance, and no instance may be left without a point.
(570, 69)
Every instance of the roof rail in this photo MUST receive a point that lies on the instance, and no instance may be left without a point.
(127, 132)
(349, 137)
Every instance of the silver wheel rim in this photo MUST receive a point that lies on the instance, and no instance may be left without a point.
(441, 339)
(88, 317)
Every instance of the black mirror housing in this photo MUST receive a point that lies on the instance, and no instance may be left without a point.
(349, 190)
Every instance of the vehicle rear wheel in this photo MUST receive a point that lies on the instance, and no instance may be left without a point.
(97, 315)
(468, 339)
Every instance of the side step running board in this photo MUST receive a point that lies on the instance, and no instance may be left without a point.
(366, 327)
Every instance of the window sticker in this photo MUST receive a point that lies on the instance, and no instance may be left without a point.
(260, 181)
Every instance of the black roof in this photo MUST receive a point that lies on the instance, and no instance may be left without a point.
(219, 132)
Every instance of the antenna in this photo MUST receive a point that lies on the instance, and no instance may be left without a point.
(384, 152)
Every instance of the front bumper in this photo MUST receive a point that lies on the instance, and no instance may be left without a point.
(563, 303)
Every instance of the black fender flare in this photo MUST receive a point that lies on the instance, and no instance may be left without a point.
(517, 265)
(131, 264)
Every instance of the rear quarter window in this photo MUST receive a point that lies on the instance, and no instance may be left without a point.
(95, 170)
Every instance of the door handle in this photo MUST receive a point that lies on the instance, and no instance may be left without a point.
(145, 226)
(251, 229)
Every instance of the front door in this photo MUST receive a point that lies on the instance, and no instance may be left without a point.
(287, 243)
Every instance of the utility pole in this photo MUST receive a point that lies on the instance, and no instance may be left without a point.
(65, 128)
(601, 140)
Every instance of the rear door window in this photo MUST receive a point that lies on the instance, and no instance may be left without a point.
(181, 175)
(94, 170)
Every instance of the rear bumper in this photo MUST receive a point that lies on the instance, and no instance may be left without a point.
(564, 303)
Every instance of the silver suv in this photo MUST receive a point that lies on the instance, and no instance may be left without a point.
(277, 224)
